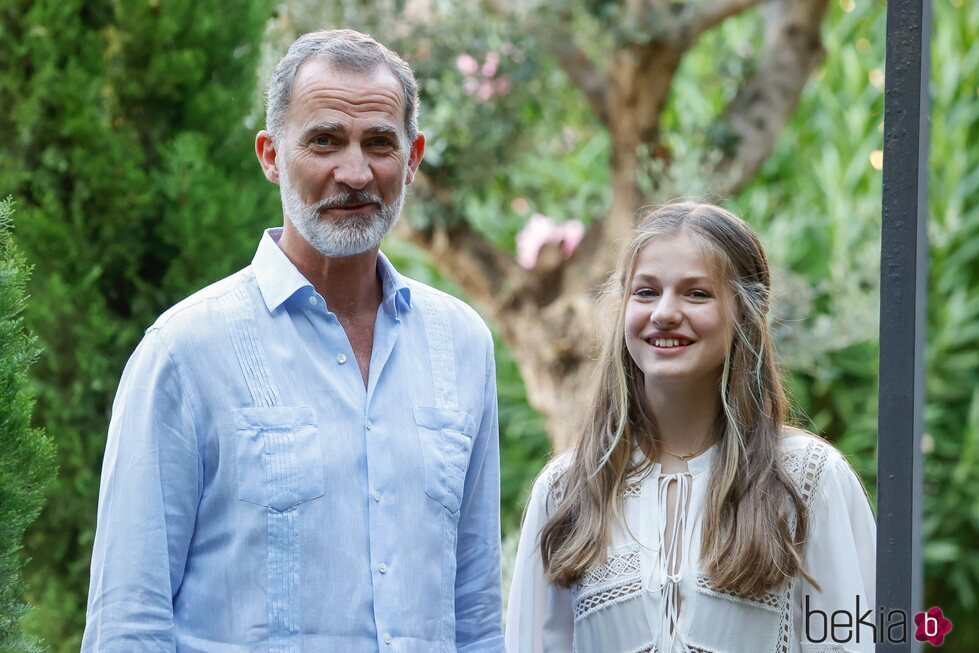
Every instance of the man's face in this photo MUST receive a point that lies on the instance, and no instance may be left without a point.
(344, 159)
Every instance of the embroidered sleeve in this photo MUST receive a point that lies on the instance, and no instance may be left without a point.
(554, 482)
(540, 616)
(840, 555)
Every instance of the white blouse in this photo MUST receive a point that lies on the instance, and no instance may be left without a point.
(644, 600)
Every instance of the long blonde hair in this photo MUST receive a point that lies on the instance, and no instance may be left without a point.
(749, 544)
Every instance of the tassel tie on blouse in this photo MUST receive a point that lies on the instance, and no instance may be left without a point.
(668, 570)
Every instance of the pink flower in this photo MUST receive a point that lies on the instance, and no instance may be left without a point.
(572, 233)
(470, 86)
(541, 230)
(466, 64)
(490, 64)
(485, 91)
(503, 85)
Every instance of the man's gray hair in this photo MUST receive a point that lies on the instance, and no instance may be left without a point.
(347, 50)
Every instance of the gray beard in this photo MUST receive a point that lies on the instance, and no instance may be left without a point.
(339, 237)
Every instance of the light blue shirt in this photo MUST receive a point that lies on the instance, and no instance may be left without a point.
(257, 497)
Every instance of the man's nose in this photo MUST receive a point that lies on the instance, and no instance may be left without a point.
(353, 169)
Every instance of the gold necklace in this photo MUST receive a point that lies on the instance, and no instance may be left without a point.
(683, 457)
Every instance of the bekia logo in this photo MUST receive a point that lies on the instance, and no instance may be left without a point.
(932, 626)
(865, 624)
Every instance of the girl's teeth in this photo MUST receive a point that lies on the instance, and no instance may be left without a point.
(666, 342)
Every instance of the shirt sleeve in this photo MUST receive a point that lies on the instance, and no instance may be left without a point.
(540, 617)
(150, 488)
(478, 594)
(841, 556)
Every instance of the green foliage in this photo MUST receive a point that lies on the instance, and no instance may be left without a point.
(27, 466)
(128, 150)
(817, 205)
(951, 526)
(517, 141)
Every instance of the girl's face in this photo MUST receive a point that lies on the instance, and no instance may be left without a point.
(676, 328)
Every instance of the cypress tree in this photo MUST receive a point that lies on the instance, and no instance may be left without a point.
(27, 465)
(129, 150)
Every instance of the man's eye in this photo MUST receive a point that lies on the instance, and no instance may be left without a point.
(322, 140)
(381, 142)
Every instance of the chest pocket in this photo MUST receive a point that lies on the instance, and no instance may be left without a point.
(278, 455)
(446, 439)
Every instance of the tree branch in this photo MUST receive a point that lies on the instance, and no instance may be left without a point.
(763, 105)
(488, 274)
(713, 12)
(559, 40)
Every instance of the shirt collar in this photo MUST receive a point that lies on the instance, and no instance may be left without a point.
(395, 292)
(703, 462)
(278, 279)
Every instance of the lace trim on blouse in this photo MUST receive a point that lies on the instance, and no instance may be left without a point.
(769, 601)
(649, 648)
(806, 467)
(613, 582)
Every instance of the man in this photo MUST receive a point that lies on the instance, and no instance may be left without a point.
(304, 456)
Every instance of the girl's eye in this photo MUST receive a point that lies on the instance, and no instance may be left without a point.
(700, 294)
(645, 293)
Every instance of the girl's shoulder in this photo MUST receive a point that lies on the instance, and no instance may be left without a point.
(795, 442)
(551, 482)
(810, 460)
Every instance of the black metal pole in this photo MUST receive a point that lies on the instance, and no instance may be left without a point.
(903, 290)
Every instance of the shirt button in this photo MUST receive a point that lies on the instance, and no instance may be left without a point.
(341, 358)
(370, 425)
(387, 638)
(383, 568)
(312, 300)
(377, 495)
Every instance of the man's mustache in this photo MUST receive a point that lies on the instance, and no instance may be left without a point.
(349, 199)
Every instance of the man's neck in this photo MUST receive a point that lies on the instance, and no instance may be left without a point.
(350, 285)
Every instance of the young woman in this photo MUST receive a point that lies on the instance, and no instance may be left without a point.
(689, 517)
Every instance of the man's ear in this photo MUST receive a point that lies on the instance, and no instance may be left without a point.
(265, 151)
(415, 157)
